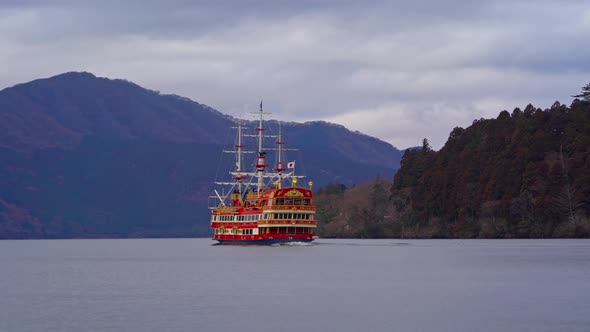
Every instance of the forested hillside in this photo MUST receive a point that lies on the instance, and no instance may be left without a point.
(84, 156)
(523, 174)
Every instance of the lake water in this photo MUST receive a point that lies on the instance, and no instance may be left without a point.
(331, 285)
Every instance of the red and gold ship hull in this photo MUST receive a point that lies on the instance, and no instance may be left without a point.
(270, 217)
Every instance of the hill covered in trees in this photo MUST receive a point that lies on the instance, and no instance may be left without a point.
(84, 156)
(523, 174)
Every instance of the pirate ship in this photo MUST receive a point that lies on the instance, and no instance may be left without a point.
(262, 206)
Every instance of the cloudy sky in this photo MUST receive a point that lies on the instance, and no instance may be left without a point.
(397, 70)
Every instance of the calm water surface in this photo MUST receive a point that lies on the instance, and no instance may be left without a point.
(332, 285)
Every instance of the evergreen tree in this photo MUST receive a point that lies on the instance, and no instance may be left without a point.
(585, 95)
(426, 145)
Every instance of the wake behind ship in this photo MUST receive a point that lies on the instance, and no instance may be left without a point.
(262, 206)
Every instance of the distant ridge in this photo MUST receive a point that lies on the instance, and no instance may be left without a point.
(85, 156)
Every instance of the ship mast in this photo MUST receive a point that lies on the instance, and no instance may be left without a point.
(280, 168)
(260, 163)
(239, 147)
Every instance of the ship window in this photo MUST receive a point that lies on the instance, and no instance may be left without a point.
(288, 201)
(306, 201)
(290, 216)
(280, 201)
(297, 201)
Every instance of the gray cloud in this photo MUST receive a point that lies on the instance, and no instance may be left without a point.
(397, 70)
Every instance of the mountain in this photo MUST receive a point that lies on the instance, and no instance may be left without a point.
(525, 174)
(83, 156)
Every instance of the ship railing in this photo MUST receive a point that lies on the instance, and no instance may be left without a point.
(289, 207)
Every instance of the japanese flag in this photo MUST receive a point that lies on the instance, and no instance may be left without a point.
(291, 165)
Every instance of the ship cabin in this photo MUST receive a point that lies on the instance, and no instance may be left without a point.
(275, 214)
